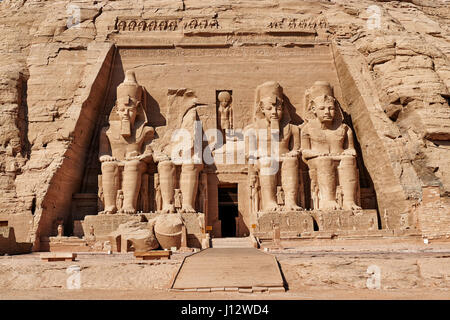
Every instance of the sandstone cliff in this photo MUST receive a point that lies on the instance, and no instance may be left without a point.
(391, 57)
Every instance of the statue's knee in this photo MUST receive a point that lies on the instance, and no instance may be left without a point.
(269, 167)
(165, 165)
(348, 161)
(109, 167)
(266, 162)
(188, 168)
(133, 165)
(290, 163)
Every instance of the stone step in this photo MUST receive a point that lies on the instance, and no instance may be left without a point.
(232, 243)
(244, 270)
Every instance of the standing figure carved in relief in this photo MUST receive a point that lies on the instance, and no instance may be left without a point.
(180, 149)
(225, 112)
(125, 147)
(178, 199)
(254, 193)
(280, 196)
(119, 201)
(158, 198)
(60, 230)
(328, 149)
(277, 145)
(315, 195)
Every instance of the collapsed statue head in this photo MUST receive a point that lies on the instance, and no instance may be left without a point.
(269, 100)
(322, 102)
(224, 98)
(128, 105)
(190, 99)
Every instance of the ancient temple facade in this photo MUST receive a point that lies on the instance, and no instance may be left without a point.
(236, 125)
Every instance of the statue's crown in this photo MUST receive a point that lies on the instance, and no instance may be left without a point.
(320, 88)
(268, 89)
(224, 96)
(129, 87)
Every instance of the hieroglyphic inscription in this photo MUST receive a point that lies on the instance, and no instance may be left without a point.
(227, 52)
(166, 24)
(311, 23)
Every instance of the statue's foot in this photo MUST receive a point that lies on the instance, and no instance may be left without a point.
(350, 205)
(188, 209)
(329, 205)
(273, 208)
(128, 210)
(292, 207)
(109, 210)
(168, 209)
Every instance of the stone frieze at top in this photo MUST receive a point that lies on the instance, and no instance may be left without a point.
(214, 24)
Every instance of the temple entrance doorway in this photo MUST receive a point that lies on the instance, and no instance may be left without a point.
(228, 209)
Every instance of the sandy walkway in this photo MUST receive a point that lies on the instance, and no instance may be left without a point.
(326, 271)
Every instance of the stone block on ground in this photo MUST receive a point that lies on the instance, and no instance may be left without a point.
(58, 256)
(153, 255)
(105, 224)
(168, 230)
(135, 236)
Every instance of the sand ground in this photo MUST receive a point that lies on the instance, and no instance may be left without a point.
(325, 269)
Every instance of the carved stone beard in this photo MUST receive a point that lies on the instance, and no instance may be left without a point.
(275, 123)
(125, 128)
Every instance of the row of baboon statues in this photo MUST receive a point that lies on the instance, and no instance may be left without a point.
(326, 147)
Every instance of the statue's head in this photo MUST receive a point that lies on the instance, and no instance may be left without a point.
(269, 100)
(190, 99)
(322, 102)
(129, 102)
(224, 98)
(127, 109)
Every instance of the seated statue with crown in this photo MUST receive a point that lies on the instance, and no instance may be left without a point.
(125, 148)
(273, 143)
(328, 149)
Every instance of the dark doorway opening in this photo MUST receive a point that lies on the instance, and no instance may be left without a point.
(228, 210)
(227, 217)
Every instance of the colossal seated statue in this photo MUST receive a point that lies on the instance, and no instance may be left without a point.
(125, 147)
(328, 150)
(272, 141)
(177, 148)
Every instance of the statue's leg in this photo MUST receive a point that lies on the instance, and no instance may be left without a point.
(326, 180)
(289, 180)
(348, 179)
(268, 182)
(109, 174)
(188, 186)
(131, 183)
(314, 189)
(166, 170)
